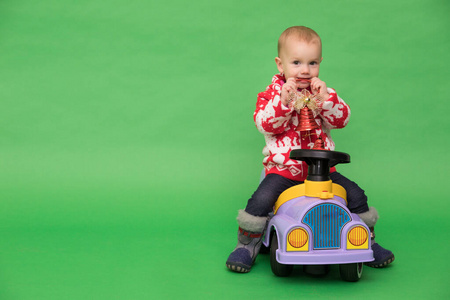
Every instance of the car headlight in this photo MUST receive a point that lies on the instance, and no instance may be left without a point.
(297, 240)
(358, 238)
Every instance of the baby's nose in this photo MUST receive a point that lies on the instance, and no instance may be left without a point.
(304, 69)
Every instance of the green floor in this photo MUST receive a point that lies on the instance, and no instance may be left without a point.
(127, 144)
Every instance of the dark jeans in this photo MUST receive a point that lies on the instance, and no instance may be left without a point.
(263, 199)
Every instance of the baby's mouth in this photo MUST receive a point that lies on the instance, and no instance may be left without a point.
(303, 79)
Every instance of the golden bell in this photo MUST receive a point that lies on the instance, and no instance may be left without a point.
(306, 121)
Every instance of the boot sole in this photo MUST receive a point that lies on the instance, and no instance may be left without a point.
(239, 268)
(382, 264)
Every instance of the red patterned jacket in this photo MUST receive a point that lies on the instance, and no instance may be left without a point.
(278, 122)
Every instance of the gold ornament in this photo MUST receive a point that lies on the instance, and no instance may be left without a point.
(304, 99)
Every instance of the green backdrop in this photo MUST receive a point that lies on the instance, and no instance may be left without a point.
(127, 143)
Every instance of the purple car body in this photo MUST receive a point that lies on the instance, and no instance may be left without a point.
(327, 223)
(312, 226)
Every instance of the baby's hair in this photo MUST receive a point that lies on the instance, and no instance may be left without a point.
(300, 32)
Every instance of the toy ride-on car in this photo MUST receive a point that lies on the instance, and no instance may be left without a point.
(311, 225)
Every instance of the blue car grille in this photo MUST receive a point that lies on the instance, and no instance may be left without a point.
(326, 222)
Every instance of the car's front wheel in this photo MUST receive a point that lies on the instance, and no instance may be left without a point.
(351, 272)
(277, 268)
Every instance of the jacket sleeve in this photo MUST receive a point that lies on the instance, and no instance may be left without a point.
(271, 116)
(335, 112)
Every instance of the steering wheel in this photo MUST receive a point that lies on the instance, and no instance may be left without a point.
(319, 162)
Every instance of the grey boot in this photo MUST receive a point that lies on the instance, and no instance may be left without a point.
(382, 256)
(370, 217)
(250, 234)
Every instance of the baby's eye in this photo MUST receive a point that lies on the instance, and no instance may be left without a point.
(313, 63)
(296, 62)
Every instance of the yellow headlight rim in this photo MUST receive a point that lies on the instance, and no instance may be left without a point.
(298, 237)
(358, 235)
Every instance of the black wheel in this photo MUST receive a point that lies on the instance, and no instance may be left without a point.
(351, 272)
(277, 268)
(264, 250)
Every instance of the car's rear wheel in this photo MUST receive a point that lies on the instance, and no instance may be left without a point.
(351, 272)
(277, 268)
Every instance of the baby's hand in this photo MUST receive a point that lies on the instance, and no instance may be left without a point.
(319, 87)
(288, 91)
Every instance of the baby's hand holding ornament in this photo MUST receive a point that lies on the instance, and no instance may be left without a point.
(308, 106)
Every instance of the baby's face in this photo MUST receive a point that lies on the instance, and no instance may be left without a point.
(300, 59)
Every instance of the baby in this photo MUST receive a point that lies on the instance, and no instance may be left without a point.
(276, 117)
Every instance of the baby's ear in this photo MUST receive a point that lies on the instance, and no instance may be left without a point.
(279, 64)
